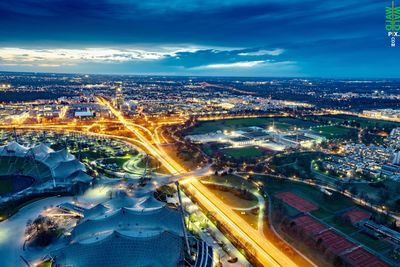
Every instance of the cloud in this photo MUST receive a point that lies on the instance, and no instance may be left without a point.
(275, 52)
(240, 64)
(45, 65)
(58, 57)
(168, 58)
(259, 68)
(178, 54)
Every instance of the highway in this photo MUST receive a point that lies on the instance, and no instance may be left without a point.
(165, 160)
(262, 248)
(258, 246)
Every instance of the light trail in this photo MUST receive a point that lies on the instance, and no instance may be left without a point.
(265, 251)
(169, 164)
(258, 246)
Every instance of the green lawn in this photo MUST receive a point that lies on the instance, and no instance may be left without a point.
(375, 244)
(346, 228)
(321, 213)
(233, 200)
(232, 180)
(117, 160)
(282, 123)
(332, 132)
(364, 122)
(245, 152)
(89, 154)
(211, 148)
(295, 164)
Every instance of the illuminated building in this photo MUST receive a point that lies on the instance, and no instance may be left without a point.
(119, 96)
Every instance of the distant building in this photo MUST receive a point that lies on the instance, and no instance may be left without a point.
(396, 158)
(84, 114)
(119, 96)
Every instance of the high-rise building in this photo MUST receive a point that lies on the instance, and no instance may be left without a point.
(396, 158)
(119, 96)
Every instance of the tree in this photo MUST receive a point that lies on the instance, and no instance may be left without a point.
(353, 190)
(383, 196)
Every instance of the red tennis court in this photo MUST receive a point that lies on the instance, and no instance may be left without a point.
(356, 215)
(362, 258)
(309, 225)
(335, 242)
(296, 202)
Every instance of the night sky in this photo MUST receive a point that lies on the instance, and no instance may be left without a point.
(268, 38)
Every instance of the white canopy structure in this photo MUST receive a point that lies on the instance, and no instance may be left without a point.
(61, 165)
(130, 220)
(130, 231)
(162, 249)
(124, 201)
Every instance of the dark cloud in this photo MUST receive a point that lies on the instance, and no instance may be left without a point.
(312, 33)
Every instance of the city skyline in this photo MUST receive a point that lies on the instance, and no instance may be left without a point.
(228, 38)
(230, 133)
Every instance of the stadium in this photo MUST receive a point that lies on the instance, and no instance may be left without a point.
(38, 167)
(125, 230)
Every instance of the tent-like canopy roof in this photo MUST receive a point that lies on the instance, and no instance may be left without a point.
(163, 249)
(143, 202)
(62, 165)
(125, 219)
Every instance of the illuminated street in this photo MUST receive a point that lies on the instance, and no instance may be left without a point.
(264, 250)
(234, 133)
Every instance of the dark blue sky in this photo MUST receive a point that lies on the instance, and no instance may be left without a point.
(203, 37)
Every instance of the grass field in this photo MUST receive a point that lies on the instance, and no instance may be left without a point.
(295, 164)
(321, 213)
(232, 180)
(374, 244)
(249, 217)
(117, 160)
(333, 132)
(364, 122)
(89, 154)
(234, 201)
(282, 123)
(245, 152)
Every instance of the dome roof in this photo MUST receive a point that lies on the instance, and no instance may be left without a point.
(162, 249)
(62, 165)
(151, 220)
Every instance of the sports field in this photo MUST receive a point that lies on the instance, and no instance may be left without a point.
(244, 152)
(335, 132)
(364, 122)
(282, 123)
(328, 209)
